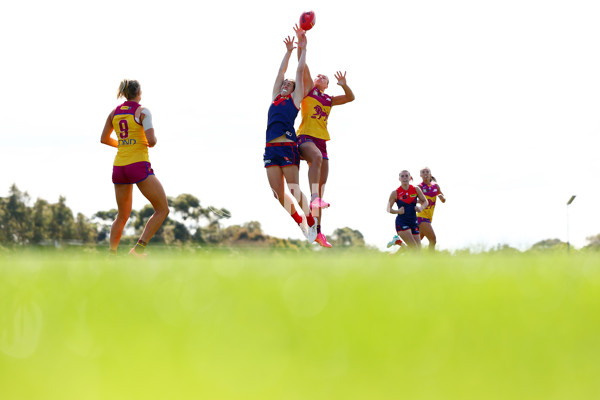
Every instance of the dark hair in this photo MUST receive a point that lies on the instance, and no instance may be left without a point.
(433, 178)
(128, 89)
(293, 82)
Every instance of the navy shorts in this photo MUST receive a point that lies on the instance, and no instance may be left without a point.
(402, 224)
(281, 154)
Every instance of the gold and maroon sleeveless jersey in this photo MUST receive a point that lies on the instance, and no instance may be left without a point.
(431, 192)
(133, 145)
(315, 112)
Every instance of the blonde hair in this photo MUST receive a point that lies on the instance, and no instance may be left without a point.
(432, 177)
(128, 89)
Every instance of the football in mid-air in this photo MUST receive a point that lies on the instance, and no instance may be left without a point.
(307, 20)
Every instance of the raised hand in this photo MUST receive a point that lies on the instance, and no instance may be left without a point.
(341, 79)
(289, 43)
(301, 34)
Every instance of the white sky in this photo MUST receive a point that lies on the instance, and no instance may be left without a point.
(500, 98)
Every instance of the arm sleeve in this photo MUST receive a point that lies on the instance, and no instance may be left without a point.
(147, 122)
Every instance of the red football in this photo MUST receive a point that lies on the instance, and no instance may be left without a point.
(307, 20)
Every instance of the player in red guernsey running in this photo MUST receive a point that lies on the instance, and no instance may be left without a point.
(406, 198)
(281, 156)
(133, 125)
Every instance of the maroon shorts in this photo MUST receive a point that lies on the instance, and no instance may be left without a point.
(131, 173)
(320, 143)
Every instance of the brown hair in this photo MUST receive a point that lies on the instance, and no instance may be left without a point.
(290, 80)
(128, 89)
(409, 174)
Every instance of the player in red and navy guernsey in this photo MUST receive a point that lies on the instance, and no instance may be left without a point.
(406, 198)
(281, 156)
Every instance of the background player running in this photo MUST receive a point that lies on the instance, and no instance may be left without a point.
(431, 191)
(133, 126)
(424, 218)
(406, 198)
(281, 156)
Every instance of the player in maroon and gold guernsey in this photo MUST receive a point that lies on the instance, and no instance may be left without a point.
(313, 136)
(424, 218)
(133, 126)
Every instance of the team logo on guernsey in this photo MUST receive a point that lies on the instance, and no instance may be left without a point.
(319, 112)
(125, 107)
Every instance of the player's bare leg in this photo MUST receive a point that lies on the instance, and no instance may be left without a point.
(314, 158)
(124, 196)
(427, 231)
(412, 241)
(152, 189)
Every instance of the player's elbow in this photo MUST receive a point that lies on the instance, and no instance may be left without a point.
(151, 142)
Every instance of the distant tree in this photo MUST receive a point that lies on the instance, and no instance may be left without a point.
(503, 249)
(594, 242)
(103, 221)
(62, 223)
(85, 230)
(347, 237)
(42, 215)
(15, 219)
(549, 244)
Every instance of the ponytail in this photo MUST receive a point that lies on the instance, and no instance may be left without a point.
(128, 89)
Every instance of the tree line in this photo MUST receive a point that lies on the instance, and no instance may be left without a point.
(189, 223)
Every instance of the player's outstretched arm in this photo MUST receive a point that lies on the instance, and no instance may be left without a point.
(422, 199)
(307, 78)
(299, 90)
(108, 128)
(348, 96)
(289, 46)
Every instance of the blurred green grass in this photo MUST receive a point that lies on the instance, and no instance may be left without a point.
(260, 325)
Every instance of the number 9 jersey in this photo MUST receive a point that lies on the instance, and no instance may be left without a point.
(133, 145)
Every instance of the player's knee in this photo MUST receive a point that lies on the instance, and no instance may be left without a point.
(295, 190)
(318, 159)
(122, 217)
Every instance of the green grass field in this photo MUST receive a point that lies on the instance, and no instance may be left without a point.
(299, 326)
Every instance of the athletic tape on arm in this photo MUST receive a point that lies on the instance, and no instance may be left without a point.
(147, 122)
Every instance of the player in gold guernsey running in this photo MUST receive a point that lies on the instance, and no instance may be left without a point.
(133, 126)
(313, 136)
(431, 190)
